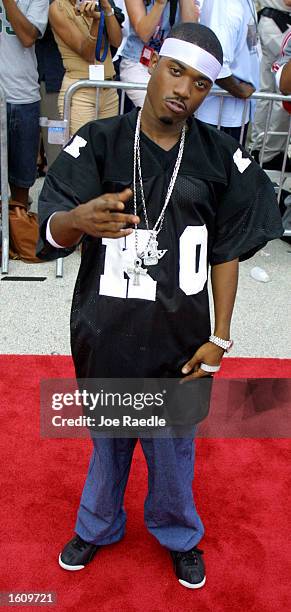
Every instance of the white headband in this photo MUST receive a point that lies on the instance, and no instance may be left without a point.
(191, 55)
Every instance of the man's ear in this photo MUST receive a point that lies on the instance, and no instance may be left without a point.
(153, 62)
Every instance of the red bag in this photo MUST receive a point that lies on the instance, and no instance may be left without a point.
(287, 106)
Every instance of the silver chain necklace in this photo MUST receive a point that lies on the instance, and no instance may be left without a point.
(151, 254)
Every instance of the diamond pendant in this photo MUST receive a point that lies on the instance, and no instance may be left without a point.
(137, 270)
(149, 260)
(152, 253)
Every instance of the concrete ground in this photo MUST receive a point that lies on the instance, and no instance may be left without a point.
(35, 314)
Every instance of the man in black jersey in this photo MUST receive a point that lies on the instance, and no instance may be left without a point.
(140, 306)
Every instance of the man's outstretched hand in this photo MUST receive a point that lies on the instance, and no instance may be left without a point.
(102, 217)
(208, 353)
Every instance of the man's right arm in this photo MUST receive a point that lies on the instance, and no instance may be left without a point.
(238, 89)
(72, 202)
(23, 28)
(100, 218)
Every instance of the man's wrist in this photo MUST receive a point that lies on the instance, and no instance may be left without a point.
(73, 216)
(224, 343)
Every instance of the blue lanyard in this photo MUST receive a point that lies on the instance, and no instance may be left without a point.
(101, 33)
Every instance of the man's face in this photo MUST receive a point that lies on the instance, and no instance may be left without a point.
(175, 91)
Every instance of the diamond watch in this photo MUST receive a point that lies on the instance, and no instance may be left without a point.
(226, 345)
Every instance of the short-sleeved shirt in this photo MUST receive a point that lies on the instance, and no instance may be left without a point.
(18, 65)
(223, 206)
(235, 24)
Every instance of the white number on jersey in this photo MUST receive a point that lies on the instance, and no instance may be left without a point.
(120, 255)
(193, 259)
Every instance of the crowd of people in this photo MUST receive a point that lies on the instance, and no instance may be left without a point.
(47, 46)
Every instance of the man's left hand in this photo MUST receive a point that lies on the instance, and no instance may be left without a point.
(208, 353)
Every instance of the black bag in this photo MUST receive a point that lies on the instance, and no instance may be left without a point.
(281, 18)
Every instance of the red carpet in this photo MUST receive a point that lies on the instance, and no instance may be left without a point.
(241, 491)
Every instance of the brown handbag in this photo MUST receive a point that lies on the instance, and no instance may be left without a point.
(23, 233)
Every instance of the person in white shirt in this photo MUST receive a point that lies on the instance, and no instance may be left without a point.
(235, 23)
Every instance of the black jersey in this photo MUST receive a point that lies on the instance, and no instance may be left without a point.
(222, 207)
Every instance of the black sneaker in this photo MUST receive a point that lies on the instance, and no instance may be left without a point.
(189, 568)
(76, 554)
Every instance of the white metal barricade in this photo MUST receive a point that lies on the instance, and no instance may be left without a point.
(278, 179)
(4, 183)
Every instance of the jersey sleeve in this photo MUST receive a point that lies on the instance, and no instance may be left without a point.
(73, 179)
(248, 214)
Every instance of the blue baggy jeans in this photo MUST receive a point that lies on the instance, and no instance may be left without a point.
(169, 510)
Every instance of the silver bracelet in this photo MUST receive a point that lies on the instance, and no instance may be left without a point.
(224, 344)
(109, 13)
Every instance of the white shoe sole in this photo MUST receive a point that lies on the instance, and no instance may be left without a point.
(188, 585)
(70, 568)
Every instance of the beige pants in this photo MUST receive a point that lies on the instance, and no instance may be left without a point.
(83, 106)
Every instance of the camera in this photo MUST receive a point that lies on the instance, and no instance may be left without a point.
(80, 2)
(117, 11)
